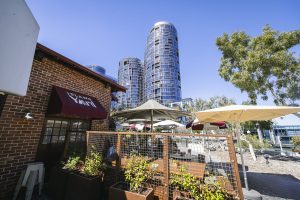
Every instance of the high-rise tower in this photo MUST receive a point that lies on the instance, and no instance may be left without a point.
(130, 75)
(161, 70)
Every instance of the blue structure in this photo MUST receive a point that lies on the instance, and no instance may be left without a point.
(286, 133)
(162, 81)
(96, 68)
(101, 70)
(130, 75)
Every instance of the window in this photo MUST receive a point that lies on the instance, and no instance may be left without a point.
(55, 131)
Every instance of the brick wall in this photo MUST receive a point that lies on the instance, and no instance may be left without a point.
(19, 138)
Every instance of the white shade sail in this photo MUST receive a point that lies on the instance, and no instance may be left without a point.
(168, 123)
(243, 113)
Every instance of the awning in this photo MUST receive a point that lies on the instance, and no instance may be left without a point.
(67, 103)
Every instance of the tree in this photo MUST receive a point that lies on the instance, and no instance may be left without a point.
(262, 65)
(214, 102)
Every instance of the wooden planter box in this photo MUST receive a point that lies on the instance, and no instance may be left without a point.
(180, 195)
(57, 184)
(117, 193)
(81, 187)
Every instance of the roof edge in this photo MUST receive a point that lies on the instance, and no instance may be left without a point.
(79, 67)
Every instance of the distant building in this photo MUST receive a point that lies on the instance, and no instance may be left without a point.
(98, 69)
(162, 79)
(286, 133)
(181, 105)
(101, 70)
(130, 75)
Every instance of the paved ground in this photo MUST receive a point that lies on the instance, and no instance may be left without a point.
(277, 180)
(274, 186)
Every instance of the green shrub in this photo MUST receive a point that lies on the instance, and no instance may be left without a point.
(93, 164)
(197, 190)
(253, 139)
(72, 163)
(137, 172)
(296, 141)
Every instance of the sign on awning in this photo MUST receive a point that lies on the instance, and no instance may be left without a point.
(67, 103)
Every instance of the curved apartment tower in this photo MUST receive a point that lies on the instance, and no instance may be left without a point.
(130, 75)
(162, 74)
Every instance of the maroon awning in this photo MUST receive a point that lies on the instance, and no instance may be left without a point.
(67, 103)
(199, 127)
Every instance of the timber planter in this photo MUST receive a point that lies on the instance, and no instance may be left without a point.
(180, 195)
(80, 186)
(57, 183)
(120, 191)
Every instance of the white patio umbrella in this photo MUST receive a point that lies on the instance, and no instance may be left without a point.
(168, 123)
(242, 113)
(151, 110)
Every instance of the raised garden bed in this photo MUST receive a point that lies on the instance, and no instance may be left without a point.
(121, 191)
(56, 188)
(80, 187)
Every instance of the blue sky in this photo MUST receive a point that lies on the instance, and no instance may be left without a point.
(104, 32)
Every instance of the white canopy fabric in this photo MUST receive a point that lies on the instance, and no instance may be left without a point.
(243, 113)
(168, 123)
(141, 120)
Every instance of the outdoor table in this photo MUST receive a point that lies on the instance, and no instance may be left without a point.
(186, 157)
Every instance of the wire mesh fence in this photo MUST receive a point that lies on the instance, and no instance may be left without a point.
(178, 166)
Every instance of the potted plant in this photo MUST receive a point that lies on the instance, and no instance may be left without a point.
(188, 187)
(87, 183)
(59, 176)
(137, 173)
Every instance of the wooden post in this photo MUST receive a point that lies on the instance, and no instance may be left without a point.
(166, 168)
(118, 149)
(234, 164)
(151, 121)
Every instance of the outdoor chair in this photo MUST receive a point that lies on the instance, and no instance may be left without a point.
(201, 158)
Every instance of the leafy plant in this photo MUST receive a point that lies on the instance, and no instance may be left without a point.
(296, 141)
(263, 65)
(187, 182)
(197, 190)
(137, 172)
(252, 139)
(72, 163)
(93, 164)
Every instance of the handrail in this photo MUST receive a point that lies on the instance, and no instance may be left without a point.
(162, 134)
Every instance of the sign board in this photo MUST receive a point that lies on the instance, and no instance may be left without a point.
(18, 37)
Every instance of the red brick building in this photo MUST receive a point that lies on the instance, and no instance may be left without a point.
(65, 99)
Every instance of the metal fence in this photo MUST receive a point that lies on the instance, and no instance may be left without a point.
(204, 157)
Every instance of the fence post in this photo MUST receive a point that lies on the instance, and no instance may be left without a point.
(118, 149)
(166, 166)
(234, 164)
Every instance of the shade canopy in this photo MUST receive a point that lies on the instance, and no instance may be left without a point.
(243, 113)
(168, 123)
(141, 120)
(144, 112)
(67, 103)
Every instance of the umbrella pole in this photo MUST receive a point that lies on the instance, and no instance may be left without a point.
(242, 158)
(151, 121)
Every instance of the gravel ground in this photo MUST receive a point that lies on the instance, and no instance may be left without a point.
(274, 166)
(277, 180)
